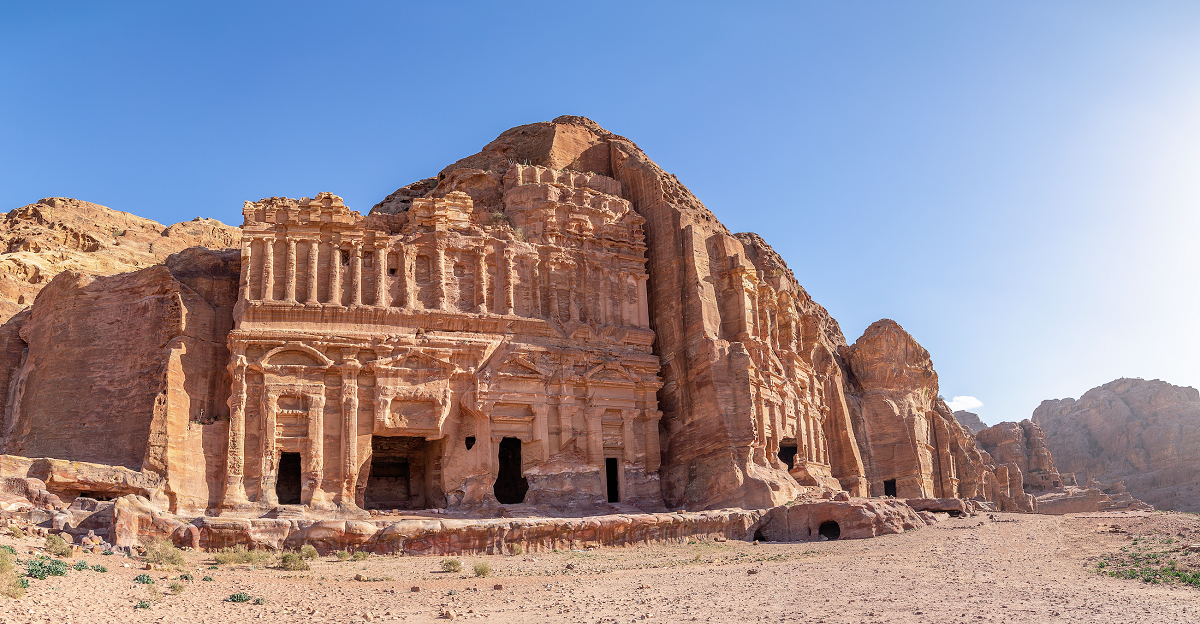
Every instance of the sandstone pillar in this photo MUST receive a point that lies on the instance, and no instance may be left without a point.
(244, 277)
(406, 276)
(643, 307)
(381, 274)
(595, 434)
(439, 276)
(356, 274)
(481, 282)
(313, 493)
(650, 430)
(553, 294)
(269, 474)
(628, 439)
(289, 289)
(509, 278)
(314, 253)
(605, 307)
(268, 274)
(623, 296)
(541, 429)
(350, 429)
(235, 455)
(335, 275)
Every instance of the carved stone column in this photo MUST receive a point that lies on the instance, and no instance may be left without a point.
(313, 493)
(650, 429)
(541, 429)
(314, 253)
(509, 278)
(335, 275)
(356, 275)
(350, 429)
(381, 274)
(406, 277)
(268, 274)
(605, 297)
(244, 275)
(553, 294)
(235, 456)
(269, 474)
(595, 434)
(628, 439)
(439, 275)
(643, 307)
(289, 289)
(481, 282)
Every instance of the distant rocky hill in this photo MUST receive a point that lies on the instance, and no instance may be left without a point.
(1143, 433)
(56, 234)
(970, 420)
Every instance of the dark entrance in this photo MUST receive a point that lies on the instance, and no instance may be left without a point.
(830, 530)
(398, 473)
(889, 488)
(510, 487)
(287, 483)
(613, 479)
(787, 455)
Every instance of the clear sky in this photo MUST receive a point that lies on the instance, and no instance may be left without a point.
(1016, 183)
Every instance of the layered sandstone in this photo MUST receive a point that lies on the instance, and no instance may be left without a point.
(1024, 445)
(1145, 434)
(57, 234)
(912, 446)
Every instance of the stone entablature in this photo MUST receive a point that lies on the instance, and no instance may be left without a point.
(508, 351)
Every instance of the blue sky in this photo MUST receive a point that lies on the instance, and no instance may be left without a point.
(1016, 183)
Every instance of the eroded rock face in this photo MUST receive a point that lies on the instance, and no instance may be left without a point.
(970, 420)
(1024, 445)
(912, 445)
(1143, 433)
(753, 387)
(57, 234)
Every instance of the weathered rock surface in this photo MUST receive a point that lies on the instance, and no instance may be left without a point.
(1024, 445)
(912, 446)
(1145, 434)
(57, 234)
(970, 420)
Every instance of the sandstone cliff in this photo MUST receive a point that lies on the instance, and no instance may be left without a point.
(57, 234)
(753, 386)
(970, 420)
(1143, 433)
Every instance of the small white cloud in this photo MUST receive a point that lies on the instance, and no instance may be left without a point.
(964, 403)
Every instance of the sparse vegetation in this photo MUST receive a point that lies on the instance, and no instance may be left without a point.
(240, 554)
(186, 577)
(483, 568)
(177, 587)
(308, 551)
(238, 597)
(1146, 560)
(142, 604)
(451, 565)
(259, 601)
(516, 549)
(99, 568)
(81, 566)
(42, 567)
(143, 579)
(16, 532)
(11, 585)
(498, 218)
(207, 578)
(360, 555)
(162, 552)
(293, 562)
(519, 234)
(56, 545)
(342, 555)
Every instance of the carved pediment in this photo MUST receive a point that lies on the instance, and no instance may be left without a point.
(414, 365)
(294, 354)
(611, 372)
(520, 365)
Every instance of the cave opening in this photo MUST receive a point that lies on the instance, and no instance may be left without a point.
(830, 530)
(613, 479)
(287, 483)
(889, 488)
(787, 454)
(398, 476)
(510, 486)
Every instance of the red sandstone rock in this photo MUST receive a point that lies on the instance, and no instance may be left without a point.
(1145, 434)
(970, 420)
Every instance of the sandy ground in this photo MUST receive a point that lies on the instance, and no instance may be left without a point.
(998, 568)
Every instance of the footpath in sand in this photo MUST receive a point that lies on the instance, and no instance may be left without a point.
(987, 568)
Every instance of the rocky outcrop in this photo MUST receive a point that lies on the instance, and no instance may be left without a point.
(912, 446)
(57, 234)
(970, 420)
(1145, 434)
(126, 372)
(1023, 445)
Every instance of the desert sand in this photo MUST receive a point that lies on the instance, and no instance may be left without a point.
(986, 568)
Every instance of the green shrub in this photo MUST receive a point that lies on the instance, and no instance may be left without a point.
(259, 601)
(162, 552)
(56, 545)
(143, 579)
(8, 549)
(142, 604)
(238, 597)
(186, 577)
(99, 568)
(42, 567)
(81, 566)
(207, 578)
(11, 585)
(239, 554)
(342, 555)
(16, 532)
(293, 562)
(451, 565)
(360, 555)
(483, 568)
(516, 549)
(177, 587)
(308, 551)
